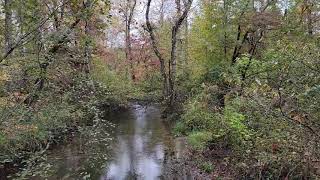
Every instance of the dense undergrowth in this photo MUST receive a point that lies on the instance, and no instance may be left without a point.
(122, 88)
(32, 119)
(251, 131)
(241, 78)
(259, 117)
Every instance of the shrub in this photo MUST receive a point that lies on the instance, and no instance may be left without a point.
(180, 128)
(196, 117)
(310, 102)
(207, 167)
(199, 140)
(118, 86)
(2, 139)
(239, 131)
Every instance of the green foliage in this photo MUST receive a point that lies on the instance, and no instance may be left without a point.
(180, 128)
(68, 101)
(45, 93)
(270, 110)
(207, 167)
(149, 89)
(214, 75)
(152, 83)
(32, 129)
(197, 118)
(230, 124)
(118, 86)
(310, 101)
(236, 121)
(199, 140)
(3, 139)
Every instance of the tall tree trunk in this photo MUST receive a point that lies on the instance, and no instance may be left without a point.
(62, 11)
(55, 16)
(225, 21)
(186, 39)
(87, 47)
(8, 25)
(162, 13)
(168, 80)
(128, 19)
(38, 40)
(309, 17)
(176, 37)
(157, 52)
(20, 20)
(173, 57)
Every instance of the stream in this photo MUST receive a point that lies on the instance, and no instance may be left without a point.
(138, 146)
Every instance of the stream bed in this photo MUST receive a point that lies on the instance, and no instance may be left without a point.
(138, 145)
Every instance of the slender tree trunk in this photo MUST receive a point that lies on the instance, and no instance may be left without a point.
(186, 42)
(62, 11)
(175, 52)
(20, 20)
(157, 52)
(173, 57)
(128, 19)
(186, 39)
(8, 25)
(309, 17)
(87, 47)
(162, 13)
(253, 8)
(127, 36)
(168, 80)
(55, 16)
(225, 21)
(38, 39)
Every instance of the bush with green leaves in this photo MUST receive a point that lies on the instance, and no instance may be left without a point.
(118, 87)
(68, 101)
(199, 139)
(207, 167)
(239, 131)
(310, 103)
(196, 117)
(204, 126)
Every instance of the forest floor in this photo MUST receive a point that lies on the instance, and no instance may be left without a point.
(191, 165)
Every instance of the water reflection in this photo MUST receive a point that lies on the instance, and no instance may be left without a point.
(141, 148)
(140, 145)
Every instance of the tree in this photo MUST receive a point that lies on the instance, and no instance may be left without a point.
(129, 12)
(8, 25)
(169, 73)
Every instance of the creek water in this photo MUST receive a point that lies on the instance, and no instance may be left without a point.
(138, 146)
